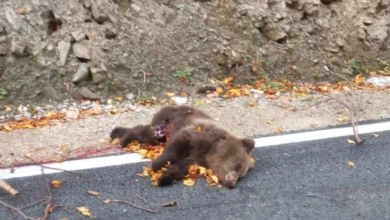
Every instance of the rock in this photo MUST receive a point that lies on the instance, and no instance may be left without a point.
(179, 100)
(3, 46)
(50, 47)
(98, 72)
(2, 30)
(63, 49)
(87, 94)
(130, 96)
(18, 47)
(258, 92)
(72, 114)
(367, 21)
(81, 74)
(327, 2)
(78, 35)
(82, 50)
(98, 14)
(110, 33)
(207, 88)
(49, 92)
(379, 81)
(135, 7)
(276, 35)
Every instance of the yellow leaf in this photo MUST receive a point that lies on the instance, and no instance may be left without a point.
(118, 99)
(84, 211)
(219, 90)
(342, 119)
(107, 201)
(269, 122)
(56, 183)
(103, 141)
(116, 141)
(202, 170)
(8, 109)
(64, 147)
(7, 127)
(253, 162)
(170, 94)
(94, 193)
(189, 182)
(351, 141)
(198, 129)
(351, 164)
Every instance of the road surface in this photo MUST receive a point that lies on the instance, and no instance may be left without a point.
(307, 181)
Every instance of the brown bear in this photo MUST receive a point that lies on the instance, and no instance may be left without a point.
(194, 138)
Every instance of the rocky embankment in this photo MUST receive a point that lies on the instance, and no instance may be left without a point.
(53, 50)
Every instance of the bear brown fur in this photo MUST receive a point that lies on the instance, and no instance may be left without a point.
(194, 138)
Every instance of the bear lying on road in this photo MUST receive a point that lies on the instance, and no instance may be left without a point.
(194, 138)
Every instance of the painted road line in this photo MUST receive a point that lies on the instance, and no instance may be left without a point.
(129, 158)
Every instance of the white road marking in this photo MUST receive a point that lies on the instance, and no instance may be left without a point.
(128, 158)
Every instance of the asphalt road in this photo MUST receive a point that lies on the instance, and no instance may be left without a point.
(309, 180)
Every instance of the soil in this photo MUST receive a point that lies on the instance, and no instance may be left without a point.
(148, 48)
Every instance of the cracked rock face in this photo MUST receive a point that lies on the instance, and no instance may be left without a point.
(143, 44)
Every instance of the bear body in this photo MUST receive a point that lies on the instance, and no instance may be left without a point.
(194, 138)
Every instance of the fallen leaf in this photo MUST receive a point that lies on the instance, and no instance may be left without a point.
(351, 164)
(119, 99)
(189, 182)
(342, 119)
(107, 201)
(7, 127)
(84, 211)
(375, 135)
(219, 90)
(103, 141)
(170, 94)
(351, 141)
(116, 141)
(198, 129)
(20, 11)
(94, 193)
(56, 183)
(269, 122)
(64, 147)
(169, 204)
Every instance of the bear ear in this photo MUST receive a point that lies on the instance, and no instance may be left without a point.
(248, 144)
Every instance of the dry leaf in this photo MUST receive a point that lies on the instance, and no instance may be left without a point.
(56, 183)
(84, 211)
(119, 99)
(7, 127)
(351, 141)
(342, 119)
(64, 147)
(169, 204)
(20, 11)
(94, 193)
(107, 201)
(170, 94)
(219, 90)
(198, 129)
(375, 135)
(351, 164)
(189, 182)
(103, 141)
(269, 122)
(116, 141)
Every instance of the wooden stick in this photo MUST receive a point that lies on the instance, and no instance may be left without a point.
(138, 207)
(7, 188)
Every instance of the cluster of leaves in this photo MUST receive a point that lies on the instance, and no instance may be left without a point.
(272, 88)
(152, 152)
(46, 120)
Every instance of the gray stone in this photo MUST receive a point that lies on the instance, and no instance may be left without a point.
(82, 50)
(275, 35)
(87, 94)
(135, 7)
(49, 92)
(98, 72)
(130, 96)
(97, 13)
(72, 114)
(4, 48)
(78, 35)
(64, 50)
(81, 74)
(18, 47)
